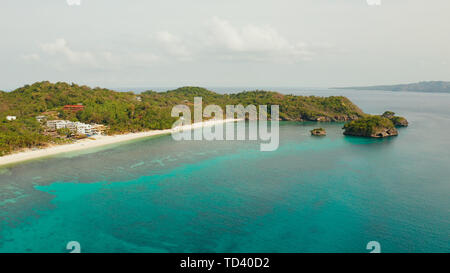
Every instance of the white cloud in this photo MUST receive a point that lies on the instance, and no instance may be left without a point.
(63, 53)
(250, 42)
(62, 56)
(219, 40)
(172, 45)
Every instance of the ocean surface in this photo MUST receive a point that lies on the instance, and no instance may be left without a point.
(313, 194)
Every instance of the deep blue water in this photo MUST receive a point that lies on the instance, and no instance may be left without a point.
(327, 194)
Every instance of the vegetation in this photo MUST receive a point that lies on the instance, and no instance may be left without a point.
(64, 132)
(126, 112)
(398, 121)
(376, 126)
(370, 126)
(388, 114)
(22, 133)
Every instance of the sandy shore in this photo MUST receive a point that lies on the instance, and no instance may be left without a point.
(97, 141)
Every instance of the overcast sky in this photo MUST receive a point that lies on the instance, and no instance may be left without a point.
(248, 43)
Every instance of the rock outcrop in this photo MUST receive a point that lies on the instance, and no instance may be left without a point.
(371, 126)
(377, 133)
(319, 132)
(398, 121)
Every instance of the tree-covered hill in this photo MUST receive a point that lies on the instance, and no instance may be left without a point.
(128, 112)
(371, 126)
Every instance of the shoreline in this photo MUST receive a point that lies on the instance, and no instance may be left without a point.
(98, 142)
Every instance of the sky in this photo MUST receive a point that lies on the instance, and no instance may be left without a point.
(224, 43)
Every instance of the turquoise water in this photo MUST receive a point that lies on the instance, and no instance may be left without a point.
(327, 194)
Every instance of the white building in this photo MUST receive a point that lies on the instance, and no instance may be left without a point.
(10, 118)
(85, 129)
(98, 129)
(72, 126)
(76, 127)
(40, 118)
(57, 124)
(80, 128)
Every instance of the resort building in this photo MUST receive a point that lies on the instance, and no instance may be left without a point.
(11, 118)
(72, 126)
(40, 118)
(98, 129)
(77, 127)
(84, 129)
(57, 124)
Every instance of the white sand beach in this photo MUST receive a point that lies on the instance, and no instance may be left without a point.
(97, 141)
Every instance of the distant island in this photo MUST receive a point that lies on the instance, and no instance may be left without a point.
(426, 86)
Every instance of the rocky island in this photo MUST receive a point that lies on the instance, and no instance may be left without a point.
(318, 132)
(375, 126)
(398, 121)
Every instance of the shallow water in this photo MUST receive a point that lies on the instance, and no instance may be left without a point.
(326, 194)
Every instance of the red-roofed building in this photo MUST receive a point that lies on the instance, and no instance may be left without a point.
(73, 108)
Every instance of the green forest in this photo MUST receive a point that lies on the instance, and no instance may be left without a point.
(125, 112)
(368, 125)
